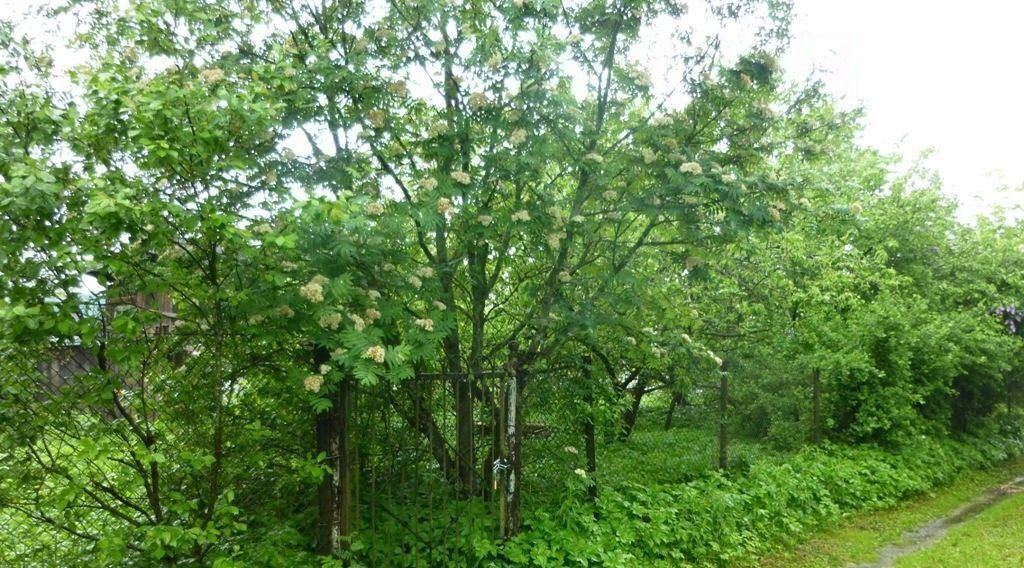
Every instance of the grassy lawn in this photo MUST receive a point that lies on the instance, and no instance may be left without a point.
(861, 536)
(993, 539)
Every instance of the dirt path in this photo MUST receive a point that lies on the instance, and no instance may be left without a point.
(929, 533)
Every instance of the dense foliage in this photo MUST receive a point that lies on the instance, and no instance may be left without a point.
(231, 217)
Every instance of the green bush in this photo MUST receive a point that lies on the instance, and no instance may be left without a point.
(718, 521)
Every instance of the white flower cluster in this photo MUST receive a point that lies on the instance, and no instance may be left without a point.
(517, 137)
(375, 208)
(649, 155)
(428, 184)
(212, 75)
(477, 101)
(485, 220)
(461, 177)
(314, 289)
(521, 215)
(445, 207)
(376, 118)
(715, 358)
(425, 272)
(330, 321)
(691, 168)
(564, 276)
(313, 383)
(594, 157)
(426, 323)
(358, 323)
(375, 353)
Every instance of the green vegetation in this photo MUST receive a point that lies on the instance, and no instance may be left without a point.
(423, 283)
(992, 540)
(859, 537)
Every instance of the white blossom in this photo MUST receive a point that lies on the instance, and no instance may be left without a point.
(691, 168)
(376, 353)
(376, 118)
(330, 321)
(649, 155)
(375, 208)
(477, 101)
(440, 305)
(373, 294)
(564, 276)
(357, 322)
(461, 177)
(581, 472)
(313, 290)
(445, 207)
(610, 194)
(521, 215)
(426, 323)
(312, 383)
(485, 220)
(594, 157)
(212, 75)
(415, 282)
(517, 137)
(729, 178)
(372, 314)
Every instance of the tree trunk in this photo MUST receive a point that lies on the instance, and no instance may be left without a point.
(589, 433)
(420, 419)
(677, 398)
(329, 524)
(629, 419)
(723, 419)
(816, 407)
(512, 519)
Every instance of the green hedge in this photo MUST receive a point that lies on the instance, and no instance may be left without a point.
(717, 521)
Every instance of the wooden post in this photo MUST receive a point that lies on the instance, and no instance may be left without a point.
(816, 407)
(464, 462)
(589, 433)
(513, 440)
(723, 418)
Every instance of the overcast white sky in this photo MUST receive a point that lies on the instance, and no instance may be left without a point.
(930, 73)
